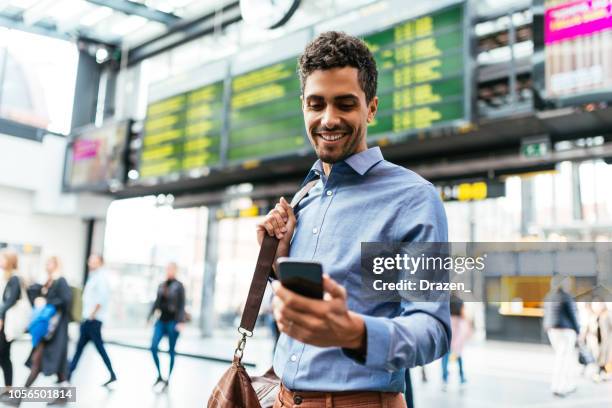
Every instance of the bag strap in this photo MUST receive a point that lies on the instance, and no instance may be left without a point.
(263, 269)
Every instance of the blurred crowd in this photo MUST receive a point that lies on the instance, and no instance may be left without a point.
(44, 310)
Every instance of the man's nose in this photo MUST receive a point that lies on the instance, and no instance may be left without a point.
(330, 118)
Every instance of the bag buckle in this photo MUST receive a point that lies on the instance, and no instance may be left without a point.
(241, 343)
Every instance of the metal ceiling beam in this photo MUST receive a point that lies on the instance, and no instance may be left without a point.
(185, 31)
(38, 28)
(138, 9)
(50, 30)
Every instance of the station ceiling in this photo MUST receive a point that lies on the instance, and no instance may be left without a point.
(106, 21)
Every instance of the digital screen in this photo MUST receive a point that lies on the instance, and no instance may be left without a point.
(183, 132)
(578, 47)
(265, 113)
(95, 156)
(420, 72)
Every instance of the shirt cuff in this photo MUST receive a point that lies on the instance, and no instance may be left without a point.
(378, 341)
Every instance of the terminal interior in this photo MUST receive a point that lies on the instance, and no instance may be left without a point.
(164, 131)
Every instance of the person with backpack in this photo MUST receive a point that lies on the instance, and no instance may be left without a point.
(49, 353)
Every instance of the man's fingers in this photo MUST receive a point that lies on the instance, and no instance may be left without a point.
(282, 211)
(300, 303)
(268, 227)
(287, 207)
(279, 224)
(306, 320)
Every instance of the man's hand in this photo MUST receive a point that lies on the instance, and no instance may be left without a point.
(322, 323)
(279, 222)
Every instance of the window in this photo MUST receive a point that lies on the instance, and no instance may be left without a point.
(37, 80)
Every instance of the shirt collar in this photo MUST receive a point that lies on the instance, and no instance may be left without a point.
(364, 161)
(360, 162)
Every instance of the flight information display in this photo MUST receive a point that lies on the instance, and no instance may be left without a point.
(420, 72)
(265, 113)
(183, 132)
(257, 114)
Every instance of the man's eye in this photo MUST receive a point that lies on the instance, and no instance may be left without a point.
(315, 106)
(347, 106)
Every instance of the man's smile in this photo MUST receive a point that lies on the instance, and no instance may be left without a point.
(331, 137)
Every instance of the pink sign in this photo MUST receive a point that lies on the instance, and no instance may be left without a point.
(577, 18)
(85, 149)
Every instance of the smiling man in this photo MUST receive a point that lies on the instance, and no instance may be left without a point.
(343, 343)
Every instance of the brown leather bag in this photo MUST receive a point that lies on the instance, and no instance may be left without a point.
(236, 389)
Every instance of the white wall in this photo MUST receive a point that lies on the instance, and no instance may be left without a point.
(59, 235)
(33, 209)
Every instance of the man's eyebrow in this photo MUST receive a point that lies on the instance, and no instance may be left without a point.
(346, 96)
(314, 97)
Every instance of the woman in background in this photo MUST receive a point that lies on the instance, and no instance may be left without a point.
(10, 295)
(51, 355)
(461, 330)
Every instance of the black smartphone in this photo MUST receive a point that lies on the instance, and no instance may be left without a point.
(303, 277)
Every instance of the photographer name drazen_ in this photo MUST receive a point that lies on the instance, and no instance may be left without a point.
(424, 284)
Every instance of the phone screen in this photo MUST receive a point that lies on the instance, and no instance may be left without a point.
(305, 278)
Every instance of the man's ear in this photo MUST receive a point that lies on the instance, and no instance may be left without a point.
(372, 109)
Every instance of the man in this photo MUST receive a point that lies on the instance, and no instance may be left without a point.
(342, 343)
(170, 302)
(561, 325)
(95, 305)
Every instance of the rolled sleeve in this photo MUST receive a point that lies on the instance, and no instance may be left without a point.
(378, 338)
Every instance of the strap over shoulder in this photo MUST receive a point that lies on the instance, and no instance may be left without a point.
(263, 269)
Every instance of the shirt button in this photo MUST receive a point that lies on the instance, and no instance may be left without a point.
(297, 400)
(329, 192)
(293, 358)
(315, 230)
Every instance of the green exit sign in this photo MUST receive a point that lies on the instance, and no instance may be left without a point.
(539, 147)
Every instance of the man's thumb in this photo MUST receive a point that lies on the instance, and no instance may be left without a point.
(333, 288)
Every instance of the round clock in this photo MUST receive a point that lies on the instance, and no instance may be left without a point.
(268, 13)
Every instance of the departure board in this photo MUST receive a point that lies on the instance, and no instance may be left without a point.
(183, 132)
(420, 72)
(265, 114)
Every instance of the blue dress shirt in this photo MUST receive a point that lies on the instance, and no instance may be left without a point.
(366, 199)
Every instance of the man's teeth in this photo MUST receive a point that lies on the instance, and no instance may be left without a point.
(332, 138)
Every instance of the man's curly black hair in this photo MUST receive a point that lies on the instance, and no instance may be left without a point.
(335, 49)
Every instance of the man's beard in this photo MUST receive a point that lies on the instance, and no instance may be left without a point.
(348, 149)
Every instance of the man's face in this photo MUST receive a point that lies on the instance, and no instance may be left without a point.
(94, 262)
(336, 114)
(171, 269)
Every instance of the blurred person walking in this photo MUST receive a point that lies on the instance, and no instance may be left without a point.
(461, 331)
(561, 325)
(10, 295)
(49, 353)
(601, 329)
(95, 305)
(170, 303)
